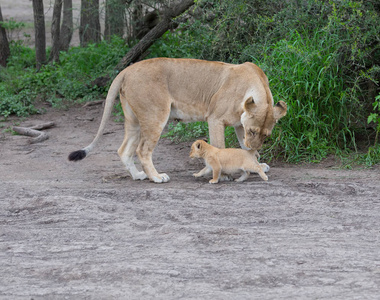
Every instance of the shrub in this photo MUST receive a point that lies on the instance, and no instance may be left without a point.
(322, 58)
(71, 78)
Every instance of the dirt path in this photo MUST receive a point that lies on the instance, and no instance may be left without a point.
(87, 231)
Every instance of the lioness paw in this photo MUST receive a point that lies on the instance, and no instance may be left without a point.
(139, 176)
(197, 174)
(161, 178)
(265, 167)
(214, 181)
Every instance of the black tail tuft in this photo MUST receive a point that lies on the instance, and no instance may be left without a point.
(77, 155)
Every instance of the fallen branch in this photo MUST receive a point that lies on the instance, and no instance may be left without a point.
(92, 103)
(35, 132)
(43, 126)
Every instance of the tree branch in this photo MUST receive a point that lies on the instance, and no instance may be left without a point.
(154, 34)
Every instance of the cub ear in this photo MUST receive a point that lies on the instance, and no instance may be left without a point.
(249, 105)
(279, 110)
(198, 145)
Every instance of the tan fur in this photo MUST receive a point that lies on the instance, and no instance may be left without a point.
(228, 161)
(155, 90)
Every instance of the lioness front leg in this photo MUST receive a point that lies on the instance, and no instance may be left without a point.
(265, 167)
(239, 130)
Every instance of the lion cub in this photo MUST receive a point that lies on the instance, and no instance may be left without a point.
(227, 161)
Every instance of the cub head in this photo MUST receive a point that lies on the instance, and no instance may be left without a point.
(197, 149)
(258, 121)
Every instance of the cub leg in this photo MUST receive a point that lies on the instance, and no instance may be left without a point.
(216, 132)
(216, 171)
(205, 171)
(239, 130)
(243, 177)
(256, 168)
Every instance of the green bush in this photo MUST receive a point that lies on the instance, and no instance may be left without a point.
(71, 78)
(321, 58)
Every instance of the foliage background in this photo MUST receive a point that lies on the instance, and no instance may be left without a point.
(321, 57)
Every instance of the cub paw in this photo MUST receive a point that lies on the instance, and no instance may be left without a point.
(213, 181)
(197, 174)
(225, 177)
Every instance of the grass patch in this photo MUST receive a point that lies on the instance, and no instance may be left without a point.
(70, 79)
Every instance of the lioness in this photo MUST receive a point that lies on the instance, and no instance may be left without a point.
(156, 90)
(228, 161)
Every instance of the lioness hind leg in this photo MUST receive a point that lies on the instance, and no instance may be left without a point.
(128, 149)
(144, 152)
(149, 136)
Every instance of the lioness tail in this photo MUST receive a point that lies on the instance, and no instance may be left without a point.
(110, 100)
(77, 155)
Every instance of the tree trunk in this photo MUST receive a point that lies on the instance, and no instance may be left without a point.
(89, 29)
(67, 26)
(114, 21)
(154, 34)
(55, 31)
(4, 45)
(135, 19)
(39, 26)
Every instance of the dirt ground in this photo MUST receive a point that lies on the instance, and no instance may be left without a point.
(87, 231)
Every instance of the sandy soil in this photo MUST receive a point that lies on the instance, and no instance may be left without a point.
(87, 231)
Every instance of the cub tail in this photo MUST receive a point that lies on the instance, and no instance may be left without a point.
(113, 92)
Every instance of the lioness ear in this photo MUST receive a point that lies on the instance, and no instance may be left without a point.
(249, 105)
(279, 110)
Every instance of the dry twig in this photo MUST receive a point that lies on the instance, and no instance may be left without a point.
(92, 103)
(35, 132)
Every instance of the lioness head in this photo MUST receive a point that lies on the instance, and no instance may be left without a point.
(259, 120)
